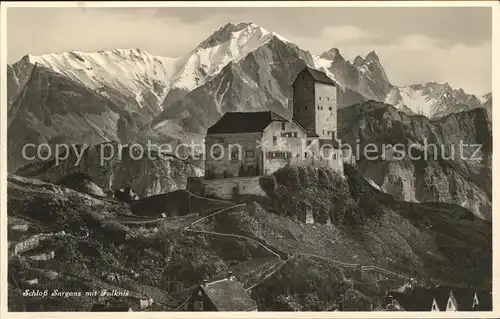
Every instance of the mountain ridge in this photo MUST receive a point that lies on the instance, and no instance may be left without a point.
(169, 79)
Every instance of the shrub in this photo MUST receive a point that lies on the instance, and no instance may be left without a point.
(267, 184)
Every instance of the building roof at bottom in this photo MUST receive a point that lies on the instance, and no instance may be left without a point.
(229, 295)
(413, 302)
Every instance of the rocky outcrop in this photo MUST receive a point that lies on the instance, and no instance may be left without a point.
(82, 183)
(112, 169)
(434, 166)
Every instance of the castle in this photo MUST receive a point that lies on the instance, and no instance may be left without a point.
(258, 143)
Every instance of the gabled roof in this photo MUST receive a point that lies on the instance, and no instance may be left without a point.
(318, 76)
(440, 294)
(464, 298)
(228, 295)
(244, 122)
(485, 300)
(308, 133)
(411, 301)
(333, 143)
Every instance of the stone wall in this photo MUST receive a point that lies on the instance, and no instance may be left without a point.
(236, 150)
(303, 100)
(227, 187)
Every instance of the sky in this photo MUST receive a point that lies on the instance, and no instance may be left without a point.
(415, 45)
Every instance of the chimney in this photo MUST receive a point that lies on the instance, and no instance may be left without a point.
(230, 275)
(204, 283)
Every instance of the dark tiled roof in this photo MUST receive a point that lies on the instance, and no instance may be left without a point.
(229, 295)
(441, 294)
(485, 300)
(311, 134)
(244, 122)
(411, 301)
(464, 298)
(333, 143)
(319, 76)
(308, 133)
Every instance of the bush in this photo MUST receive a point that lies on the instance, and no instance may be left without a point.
(345, 202)
(267, 184)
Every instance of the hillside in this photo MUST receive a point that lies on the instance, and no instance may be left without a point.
(51, 108)
(102, 242)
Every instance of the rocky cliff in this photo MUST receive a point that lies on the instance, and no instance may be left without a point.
(429, 164)
(113, 166)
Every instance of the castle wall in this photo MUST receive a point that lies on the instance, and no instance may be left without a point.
(283, 146)
(225, 188)
(232, 157)
(326, 109)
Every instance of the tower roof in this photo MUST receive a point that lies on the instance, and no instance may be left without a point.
(318, 76)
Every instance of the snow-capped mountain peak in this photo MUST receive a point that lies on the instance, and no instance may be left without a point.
(134, 74)
(129, 72)
(432, 99)
(233, 31)
(231, 43)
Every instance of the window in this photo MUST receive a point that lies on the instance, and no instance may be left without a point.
(305, 155)
(249, 154)
(320, 98)
(274, 154)
(330, 108)
(294, 134)
(306, 108)
(235, 155)
(275, 140)
(221, 140)
(328, 98)
(308, 142)
(198, 305)
(216, 153)
(283, 126)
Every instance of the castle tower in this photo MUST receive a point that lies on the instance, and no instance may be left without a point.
(315, 103)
